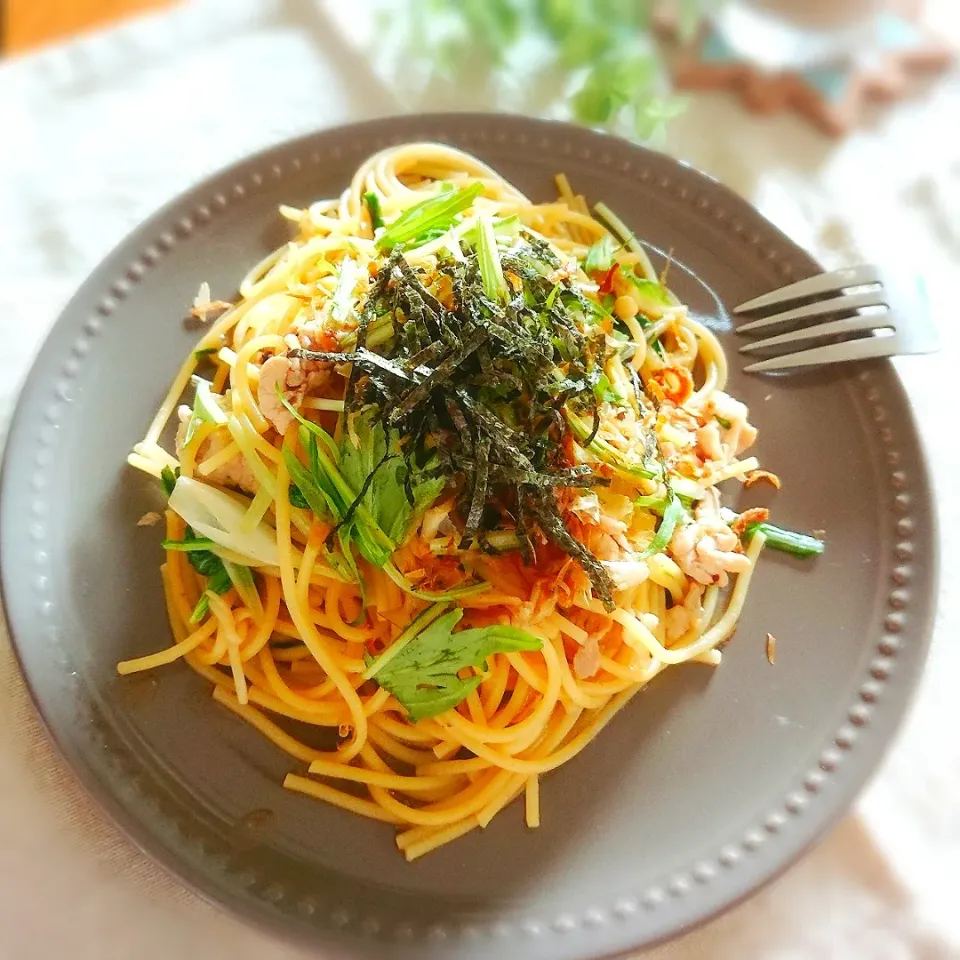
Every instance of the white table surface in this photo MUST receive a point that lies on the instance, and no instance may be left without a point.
(100, 132)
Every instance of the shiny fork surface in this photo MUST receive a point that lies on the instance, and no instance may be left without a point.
(898, 320)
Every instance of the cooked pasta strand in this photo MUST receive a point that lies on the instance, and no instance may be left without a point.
(286, 578)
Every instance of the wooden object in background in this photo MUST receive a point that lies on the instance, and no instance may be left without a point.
(31, 23)
(836, 57)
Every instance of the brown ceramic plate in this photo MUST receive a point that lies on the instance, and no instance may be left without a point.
(710, 782)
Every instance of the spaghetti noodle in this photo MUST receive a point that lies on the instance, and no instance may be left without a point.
(448, 490)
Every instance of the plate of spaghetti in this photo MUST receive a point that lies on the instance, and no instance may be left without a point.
(454, 584)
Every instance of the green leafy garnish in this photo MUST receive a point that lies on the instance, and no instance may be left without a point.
(396, 482)
(494, 284)
(481, 386)
(242, 578)
(420, 622)
(656, 291)
(502, 227)
(205, 410)
(786, 541)
(168, 479)
(652, 296)
(655, 502)
(723, 421)
(435, 596)
(372, 202)
(599, 257)
(778, 538)
(424, 674)
(204, 352)
(365, 484)
(672, 515)
(605, 392)
(434, 213)
(306, 485)
(221, 574)
(209, 565)
(188, 544)
(296, 498)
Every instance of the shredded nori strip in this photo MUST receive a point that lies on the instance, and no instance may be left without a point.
(479, 389)
(461, 424)
(581, 476)
(553, 526)
(479, 496)
(527, 551)
(440, 374)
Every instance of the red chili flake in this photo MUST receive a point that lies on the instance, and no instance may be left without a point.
(606, 284)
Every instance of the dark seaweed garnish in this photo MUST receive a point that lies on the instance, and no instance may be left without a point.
(480, 386)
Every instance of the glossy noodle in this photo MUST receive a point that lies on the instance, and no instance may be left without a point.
(443, 495)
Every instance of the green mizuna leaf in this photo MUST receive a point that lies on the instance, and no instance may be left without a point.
(434, 213)
(386, 494)
(672, 515)
(168, 479)
(363, 483)
(600, 256)
(494, 284)
(600, 56)
(188, 545)
(209, 565)
(786, 541)
(372, 203)
(650, 288)
(424, 675)
(205, 409)
(221, 574)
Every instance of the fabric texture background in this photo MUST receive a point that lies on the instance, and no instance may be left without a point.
(145, 110)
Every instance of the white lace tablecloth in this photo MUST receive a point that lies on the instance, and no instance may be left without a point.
(99, 133)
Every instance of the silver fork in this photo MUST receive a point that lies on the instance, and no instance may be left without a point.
(885, 319)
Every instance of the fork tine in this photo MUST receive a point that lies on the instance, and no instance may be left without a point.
(864, 349)
(822, 283)
(849, 301)
(858, 324)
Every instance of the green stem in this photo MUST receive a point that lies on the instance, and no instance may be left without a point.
(418, 624)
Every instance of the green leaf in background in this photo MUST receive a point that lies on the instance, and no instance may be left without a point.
(558, 17)
(613, 84)
(583, 46)
(494, 23)
(617, 77)
(651, 122)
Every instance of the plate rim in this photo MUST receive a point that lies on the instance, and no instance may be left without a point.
(849, 773)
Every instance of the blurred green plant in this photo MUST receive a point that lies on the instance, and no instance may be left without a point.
(600, 53)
